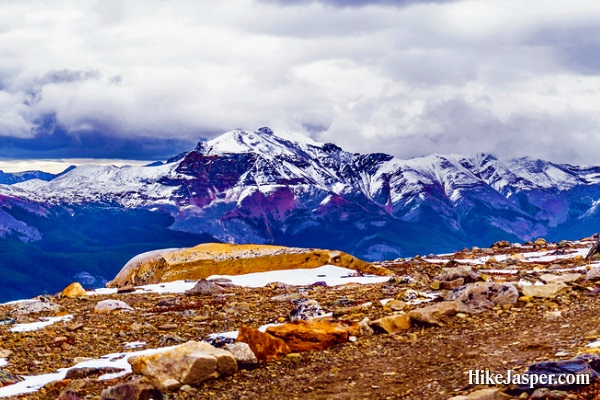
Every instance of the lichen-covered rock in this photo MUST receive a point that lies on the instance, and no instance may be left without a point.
(187, 364)
(204, 288)
(306, 309)
(209, 259)
(485, 294)
(34, 307)
(264, 346)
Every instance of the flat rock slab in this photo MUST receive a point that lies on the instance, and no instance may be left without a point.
(187, 364)
(316, 334)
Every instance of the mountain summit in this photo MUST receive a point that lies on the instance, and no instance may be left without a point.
(285, 188)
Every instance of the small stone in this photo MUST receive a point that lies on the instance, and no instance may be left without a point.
(126, 289)
(167, 327)
(75, 327)
(449, 285)
(435, 285)
(5, 353)
(396, 305)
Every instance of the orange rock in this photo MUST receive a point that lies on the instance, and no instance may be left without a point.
(392, 323)
(209, 259)
(316, 334)
(74, 290)
(263, 345)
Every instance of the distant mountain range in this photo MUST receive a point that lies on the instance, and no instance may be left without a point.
(283, 188)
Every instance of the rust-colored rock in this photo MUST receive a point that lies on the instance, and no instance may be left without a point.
(316, 334)
(264, 346)
(74, 290)
(209, 259)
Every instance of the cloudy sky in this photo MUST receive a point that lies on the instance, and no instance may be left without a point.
(147, 79)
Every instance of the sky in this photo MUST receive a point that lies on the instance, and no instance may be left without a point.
(148, 79)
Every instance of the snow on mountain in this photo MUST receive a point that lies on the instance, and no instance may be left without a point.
(261, 186)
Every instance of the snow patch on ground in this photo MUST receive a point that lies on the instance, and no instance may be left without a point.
(45, 321)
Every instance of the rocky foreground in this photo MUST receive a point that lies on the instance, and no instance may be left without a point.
(415, 336)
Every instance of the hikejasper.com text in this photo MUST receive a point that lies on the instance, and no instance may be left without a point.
(485, 377)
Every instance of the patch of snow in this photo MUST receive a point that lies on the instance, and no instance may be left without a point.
(134, 345)
(34, 326)
(3, 362)
(329, 274)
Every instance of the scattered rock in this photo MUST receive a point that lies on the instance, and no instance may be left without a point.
(549, 290)
(205, 288)
(34, 307)
(438, 314)
(502, 244)
(68, 395)
(126, 289)
(136, 390)
(237, 307)
(243, 355)
(85, 372)
(396, 305)
(316, 334)
(449, 285)
(483, 394)
(106, 306)
(306, 309)
(263, 345)
(391, 323)
(5, 353)
(547, 394)
(453, 270)
(6, 378)
(567, 278)
(74, 290)
(190, 363)
(593, 274)
(485, 294)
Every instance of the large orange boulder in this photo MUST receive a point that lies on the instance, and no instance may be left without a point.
(208, 259)
(264, 346)
(315, 334)
(74, 290)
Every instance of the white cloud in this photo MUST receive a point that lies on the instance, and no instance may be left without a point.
(463, 76)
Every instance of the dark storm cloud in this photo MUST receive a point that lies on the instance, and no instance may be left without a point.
(119, 79)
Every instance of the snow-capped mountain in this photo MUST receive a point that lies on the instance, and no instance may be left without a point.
(288, 189)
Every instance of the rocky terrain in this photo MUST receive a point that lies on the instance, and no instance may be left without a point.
(412, 336)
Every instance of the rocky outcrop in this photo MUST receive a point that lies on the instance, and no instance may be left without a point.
(209, 259)
(188, 364)
(316, 334)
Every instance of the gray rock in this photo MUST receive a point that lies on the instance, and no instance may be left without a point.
(439, 314)
(205, 288)
(243, 355)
